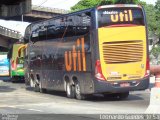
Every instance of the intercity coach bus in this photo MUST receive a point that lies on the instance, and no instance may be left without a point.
(17, 63)
(98, 50)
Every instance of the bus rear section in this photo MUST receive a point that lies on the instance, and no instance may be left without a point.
(123, 63)
(17, 64)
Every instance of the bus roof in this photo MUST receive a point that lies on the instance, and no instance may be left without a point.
(85, 10)
(119, 5)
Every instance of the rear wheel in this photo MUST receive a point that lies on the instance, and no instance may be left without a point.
(70, 90)
(42, 90)
(78, 94)
(36, 87)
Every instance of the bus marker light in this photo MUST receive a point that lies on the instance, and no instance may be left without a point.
(98, 71)
(147, 73)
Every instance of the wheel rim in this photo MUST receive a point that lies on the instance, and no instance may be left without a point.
(32, 84)
(68, 89)
(77, 89)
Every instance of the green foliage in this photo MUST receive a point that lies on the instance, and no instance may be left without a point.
(126, 1)
(157, 20)
(151, 17)
(84, 4)
(156, 51)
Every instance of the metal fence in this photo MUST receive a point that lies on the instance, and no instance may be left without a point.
(51, 10)
(10, 33)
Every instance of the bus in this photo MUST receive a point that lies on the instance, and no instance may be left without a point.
(100, 50)
(17, 63)
(4, 66)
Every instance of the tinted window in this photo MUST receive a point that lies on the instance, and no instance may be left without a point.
(69, 26)
(119, 16)
(27, 34)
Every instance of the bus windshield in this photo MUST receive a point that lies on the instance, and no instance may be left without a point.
(123, 16)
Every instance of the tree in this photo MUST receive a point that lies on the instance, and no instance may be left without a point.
(156, 54)
(157, 17)
(126, 1)
(151, 17)
(83, 4)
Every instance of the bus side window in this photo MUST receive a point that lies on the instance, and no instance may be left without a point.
(83, 23)
(69, 26)
(77, 24)
(27, 34)
(39, 32)
(42, 31)
(34, 35)
(50, 31)
(56, 28)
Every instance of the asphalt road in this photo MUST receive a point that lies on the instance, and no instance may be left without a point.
(15, 99)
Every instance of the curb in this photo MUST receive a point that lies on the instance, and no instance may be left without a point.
(154, 106)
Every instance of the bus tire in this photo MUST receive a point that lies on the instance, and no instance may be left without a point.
(78, 94)
(70, 90)
(36, 87)
(13, 79)
(42, 90)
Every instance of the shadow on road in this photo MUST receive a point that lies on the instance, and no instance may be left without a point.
(96, 97)
(49, 92)
(101, 98)
(58, 117)
(6, 89)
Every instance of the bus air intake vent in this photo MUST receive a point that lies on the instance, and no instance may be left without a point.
(122, 51)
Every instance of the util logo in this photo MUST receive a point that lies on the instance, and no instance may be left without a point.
(124, 16)
(76, 60)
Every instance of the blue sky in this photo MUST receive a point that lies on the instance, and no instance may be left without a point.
(61, 4)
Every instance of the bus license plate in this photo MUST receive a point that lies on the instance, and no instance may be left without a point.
(124, 84)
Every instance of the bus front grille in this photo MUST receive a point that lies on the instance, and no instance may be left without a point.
(122, 51)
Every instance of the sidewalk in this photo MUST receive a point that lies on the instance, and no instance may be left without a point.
(152, 79)
(152, 82)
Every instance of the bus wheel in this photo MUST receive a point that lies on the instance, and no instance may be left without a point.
(78, 94)
(36, 87)
(42, 90)
(31, 83)
(13, 79)
(70, 90)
